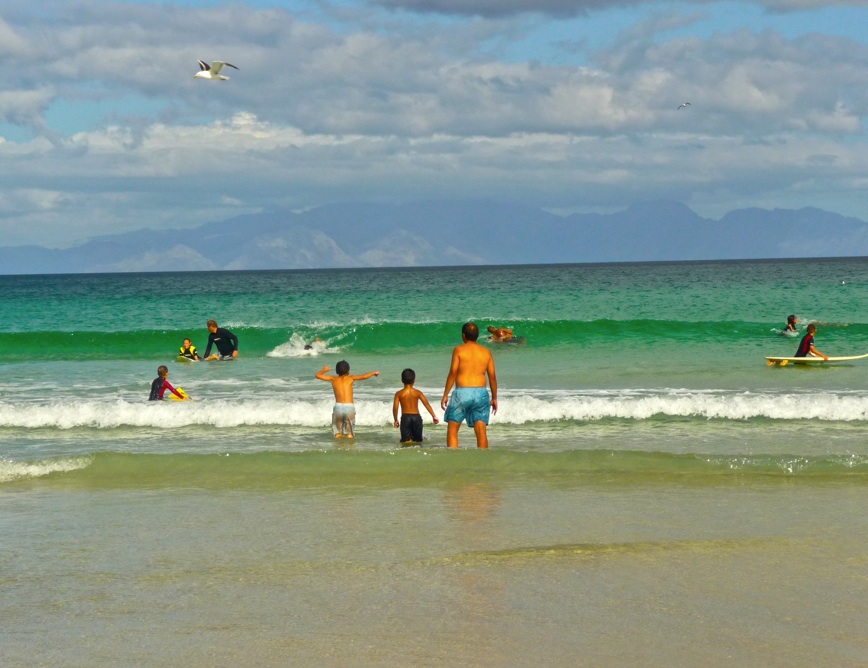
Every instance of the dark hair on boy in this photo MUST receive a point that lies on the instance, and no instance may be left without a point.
(408, 376)
(342, 368)
(162, 370)
(470, 331)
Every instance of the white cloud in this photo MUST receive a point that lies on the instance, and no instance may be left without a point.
(318, 113)
(21, 107)
(11, 43)
(493, 8)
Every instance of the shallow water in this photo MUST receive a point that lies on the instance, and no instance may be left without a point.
(654, 494)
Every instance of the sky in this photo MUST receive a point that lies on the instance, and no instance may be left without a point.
(567, 105)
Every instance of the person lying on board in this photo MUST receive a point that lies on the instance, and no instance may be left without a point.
(806, 346)
(500, 334)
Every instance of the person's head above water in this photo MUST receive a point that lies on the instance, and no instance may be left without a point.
(792, 320)
(470, 331)
(408, 376)
(342, 368)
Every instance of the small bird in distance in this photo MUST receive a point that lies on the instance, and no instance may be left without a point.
(680, 106)
(213, 70)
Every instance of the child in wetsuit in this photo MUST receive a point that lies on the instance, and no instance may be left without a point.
(161, 384)
(188, 350)
(806, 346)
(344, 412)
(408, 398)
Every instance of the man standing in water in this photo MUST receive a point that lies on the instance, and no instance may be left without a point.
(470, 401)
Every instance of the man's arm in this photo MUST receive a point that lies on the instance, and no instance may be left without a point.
(321, 374)
(234, 340)
(492, 380)
(210, 343)
(365, 376)
(395, 410)
(450, 379)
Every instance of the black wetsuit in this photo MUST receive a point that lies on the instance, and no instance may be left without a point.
(226, 342)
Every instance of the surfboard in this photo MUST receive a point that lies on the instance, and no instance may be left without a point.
(180, 390)
(514, 341)
(783, 361)
(185, 360)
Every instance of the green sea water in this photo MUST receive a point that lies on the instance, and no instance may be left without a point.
(654, 493)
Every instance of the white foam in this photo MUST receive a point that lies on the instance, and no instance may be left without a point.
(298, 346)
(375, 410)
(637, 405)
(11, 470)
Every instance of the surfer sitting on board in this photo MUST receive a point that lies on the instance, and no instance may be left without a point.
(161, 384)
(806, 347)
(226, 342)
(188, 350)
(500, 334)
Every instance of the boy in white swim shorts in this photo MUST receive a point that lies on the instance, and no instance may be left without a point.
(344, 412)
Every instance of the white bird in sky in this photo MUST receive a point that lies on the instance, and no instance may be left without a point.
(680, 106)
(212, 71)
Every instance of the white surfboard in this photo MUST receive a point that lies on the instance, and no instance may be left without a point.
(783, 361)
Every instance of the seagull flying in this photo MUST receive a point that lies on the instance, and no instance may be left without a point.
(212, 71)
(680, 106)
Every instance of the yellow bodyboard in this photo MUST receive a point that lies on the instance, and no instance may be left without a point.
(182, 393)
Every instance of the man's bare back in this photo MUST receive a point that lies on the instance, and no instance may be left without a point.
(471, 363)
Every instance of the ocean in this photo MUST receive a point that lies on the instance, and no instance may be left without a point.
(654, 493)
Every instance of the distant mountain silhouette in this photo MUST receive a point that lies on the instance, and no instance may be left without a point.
(435, 233)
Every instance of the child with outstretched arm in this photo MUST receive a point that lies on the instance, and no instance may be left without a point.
(344, 413)
(408, 398)
(161, 384)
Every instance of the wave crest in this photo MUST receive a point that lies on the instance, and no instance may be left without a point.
(517, 408)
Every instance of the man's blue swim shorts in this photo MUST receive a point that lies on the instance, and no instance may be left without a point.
(471, 404)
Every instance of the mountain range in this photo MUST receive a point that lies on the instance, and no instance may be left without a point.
(438, 233)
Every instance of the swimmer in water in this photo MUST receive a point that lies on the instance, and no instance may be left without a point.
(500, 334)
